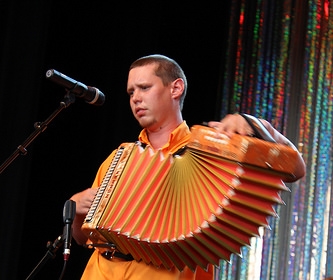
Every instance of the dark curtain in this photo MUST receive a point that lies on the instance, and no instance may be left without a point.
(94, 43)
(23, 40)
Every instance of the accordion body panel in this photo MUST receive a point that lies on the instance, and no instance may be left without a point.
(192, 208)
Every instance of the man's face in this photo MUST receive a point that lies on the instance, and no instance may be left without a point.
(151, 102)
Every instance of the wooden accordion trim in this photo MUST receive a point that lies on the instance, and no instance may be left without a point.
(193, 208)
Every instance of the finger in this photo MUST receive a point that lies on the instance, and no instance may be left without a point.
(214, 124)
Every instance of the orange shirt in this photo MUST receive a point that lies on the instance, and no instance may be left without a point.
(100, 268)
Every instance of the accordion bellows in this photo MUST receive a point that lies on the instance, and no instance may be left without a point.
(193, 208)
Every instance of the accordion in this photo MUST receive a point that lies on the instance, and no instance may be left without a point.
(192, 208)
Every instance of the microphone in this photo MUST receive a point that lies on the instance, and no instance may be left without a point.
(68, 217)
(91, 95)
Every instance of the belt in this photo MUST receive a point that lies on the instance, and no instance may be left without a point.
(110, 254)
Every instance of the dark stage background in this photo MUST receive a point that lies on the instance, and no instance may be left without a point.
(93, 43)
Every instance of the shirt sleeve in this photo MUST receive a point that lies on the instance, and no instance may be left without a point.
(102, 170)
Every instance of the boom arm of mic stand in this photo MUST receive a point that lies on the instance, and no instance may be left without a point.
(39, 128)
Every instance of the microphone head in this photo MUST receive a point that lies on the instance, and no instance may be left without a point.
(69, 211)
(91, 95)
(98, 97)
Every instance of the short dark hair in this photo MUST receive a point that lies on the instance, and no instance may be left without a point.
(167, 69)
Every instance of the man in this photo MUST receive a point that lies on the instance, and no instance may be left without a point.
(156, 87)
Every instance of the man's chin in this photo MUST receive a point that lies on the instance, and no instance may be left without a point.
(147, 124)
(144, 123)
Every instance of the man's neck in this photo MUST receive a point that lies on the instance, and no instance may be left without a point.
(158, 138)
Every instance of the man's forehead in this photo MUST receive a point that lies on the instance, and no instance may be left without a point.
(142, 72)
(147, 67)
(142, 75)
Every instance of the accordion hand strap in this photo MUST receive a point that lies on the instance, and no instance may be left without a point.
(260, 131)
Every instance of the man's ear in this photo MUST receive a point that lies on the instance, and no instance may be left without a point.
(177, 88)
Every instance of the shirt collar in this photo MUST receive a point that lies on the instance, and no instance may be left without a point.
(177, 136)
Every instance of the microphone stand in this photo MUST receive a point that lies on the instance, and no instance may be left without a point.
(40, 127)
(66, 238)
(51, 253)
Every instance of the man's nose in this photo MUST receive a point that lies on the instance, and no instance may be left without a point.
(136, 96)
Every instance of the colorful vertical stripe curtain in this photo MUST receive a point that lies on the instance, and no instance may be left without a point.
(279, 67)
